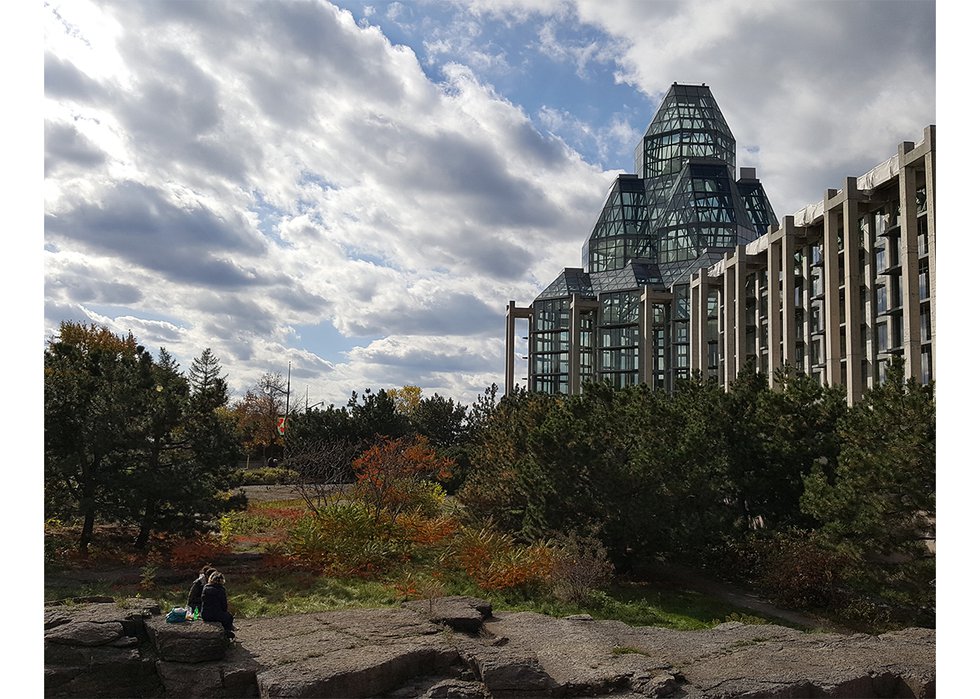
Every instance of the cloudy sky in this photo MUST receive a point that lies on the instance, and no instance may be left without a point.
(359, 188)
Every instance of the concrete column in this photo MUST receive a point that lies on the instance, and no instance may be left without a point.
(908, 253)
(789, 290)
(701, 320)
(513, 312)
(831, 283)
(646, 339)
(694, 331)
(509, 350)
(805, 305)
(727, 321)
(574, 346)
(775, 324)
(853, 312)
(739, 311)
(930, 163)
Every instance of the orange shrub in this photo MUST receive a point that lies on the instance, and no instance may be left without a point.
(427, 531)
(495, 562)
(389, 474)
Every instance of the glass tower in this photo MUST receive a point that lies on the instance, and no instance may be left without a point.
(624, 315)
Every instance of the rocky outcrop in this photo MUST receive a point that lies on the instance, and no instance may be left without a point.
(92, 649)
(455, 648)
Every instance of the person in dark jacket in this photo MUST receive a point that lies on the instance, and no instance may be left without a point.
(214, 603)
(194, 597)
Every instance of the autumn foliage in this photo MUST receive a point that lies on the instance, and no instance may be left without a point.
(397, 475)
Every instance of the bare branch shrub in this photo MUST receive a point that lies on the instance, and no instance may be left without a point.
(581, 566)
(323, 469)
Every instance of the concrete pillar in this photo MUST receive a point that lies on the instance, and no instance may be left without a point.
(509, 350)
(853, 312)
(513, 313)
(789, 290)
(805, 305)
(701, 320)
(574, 346)
(739, 311)
(831, 283)
(930, 162)
(775, 324)
(727, 322)
(694, 333)
(908, 253)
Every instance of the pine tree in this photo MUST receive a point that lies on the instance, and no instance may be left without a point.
(209, 387)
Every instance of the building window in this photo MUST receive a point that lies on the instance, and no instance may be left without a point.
(925, 324)
(816, 351)
(923, 238)
(881, 299)
(897, 336)
(926, 364)
(882, 336)
(896, 284)
(816, 317)
(680, 356)
(882, 373)
(879, 255)
(893, 257)
(682, 304)
(816, 282)
(923, 279)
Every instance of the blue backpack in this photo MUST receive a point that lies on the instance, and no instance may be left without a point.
(177, 615)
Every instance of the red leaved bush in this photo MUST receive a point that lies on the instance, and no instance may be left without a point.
(390, 472)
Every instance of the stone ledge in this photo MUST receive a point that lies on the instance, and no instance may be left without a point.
(187, 642)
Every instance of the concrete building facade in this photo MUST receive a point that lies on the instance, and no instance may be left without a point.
(684, 271)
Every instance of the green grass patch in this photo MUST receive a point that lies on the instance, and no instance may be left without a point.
(271, 595)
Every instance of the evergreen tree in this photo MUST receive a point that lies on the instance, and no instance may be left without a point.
(209, 387)
(181, 477)
(93, 419)
(154, 466)
(441, 420)
(879, 506)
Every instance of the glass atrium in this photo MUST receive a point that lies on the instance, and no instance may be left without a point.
(623, 316)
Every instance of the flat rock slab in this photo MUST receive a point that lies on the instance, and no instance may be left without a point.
(85, 633)
(129, 612)
(732, 660)
(458, 613)
(346, 653)
(366, 671)
(187, 642)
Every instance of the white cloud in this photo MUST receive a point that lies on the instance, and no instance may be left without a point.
(230, 186)
(818, 88)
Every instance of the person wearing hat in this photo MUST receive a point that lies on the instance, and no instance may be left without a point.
(214, 603)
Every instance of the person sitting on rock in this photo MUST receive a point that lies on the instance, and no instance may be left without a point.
(214, 603)
(194, 597)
